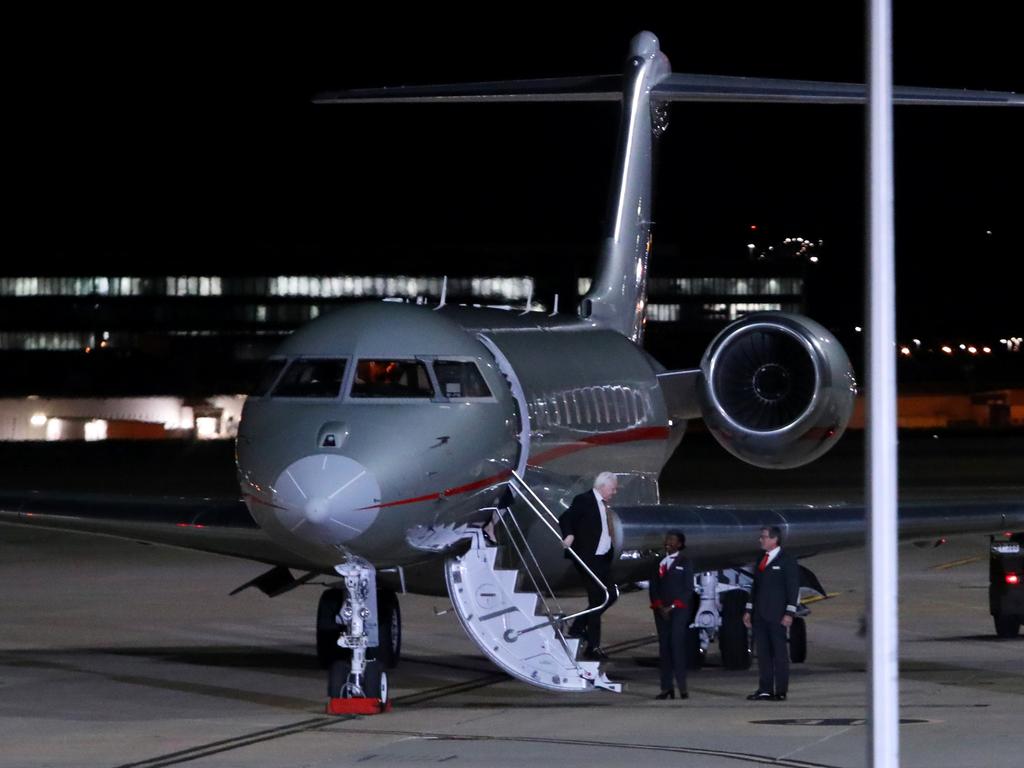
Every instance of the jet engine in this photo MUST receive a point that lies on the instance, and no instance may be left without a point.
(777, 390)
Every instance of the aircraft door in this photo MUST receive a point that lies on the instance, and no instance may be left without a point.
(519, 398)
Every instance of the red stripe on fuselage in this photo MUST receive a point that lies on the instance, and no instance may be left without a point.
(258, 500)
(594, 441)
(611, 438)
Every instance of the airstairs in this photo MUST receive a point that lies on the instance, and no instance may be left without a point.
(522, 631)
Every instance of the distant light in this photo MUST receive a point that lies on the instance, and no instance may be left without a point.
(972, 349)
(206, 426)
(917, 342)
(988, 231)
(948, 350)
(751, 246)
(38, 419)
(963, 346)
(106, 335)
(1013, 579)
(103, 343)
(96, 430)
(814, 259)
(857, 328)
(987, 350)
(1003, 341)
(905, 351)
(54, 429)
(753, 227)
(88, 350)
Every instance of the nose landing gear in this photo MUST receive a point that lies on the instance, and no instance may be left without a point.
(359, 685)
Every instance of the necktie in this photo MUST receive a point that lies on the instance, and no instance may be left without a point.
(608, 520)
(764, 562)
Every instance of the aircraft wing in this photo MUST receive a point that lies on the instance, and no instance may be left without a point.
(220, 526)
(673, 87)
(725, 535)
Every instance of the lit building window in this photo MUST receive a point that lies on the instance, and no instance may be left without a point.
(95, 429)
(663, 313)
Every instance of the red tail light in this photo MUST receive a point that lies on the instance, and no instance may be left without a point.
(1013, 579)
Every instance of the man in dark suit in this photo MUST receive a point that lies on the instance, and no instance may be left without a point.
(588, 529)
(770, 612)
(671, 591)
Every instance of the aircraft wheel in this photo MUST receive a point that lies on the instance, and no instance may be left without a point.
(733, 638)
(694, 650)
(1007, 625)
(389, 628)
(336, 678)
(798, 641)
(375, 682)
(327, 629)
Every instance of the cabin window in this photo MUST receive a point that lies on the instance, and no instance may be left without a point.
(268, 375)
(311, 378)
(391, 378)
(460, 379)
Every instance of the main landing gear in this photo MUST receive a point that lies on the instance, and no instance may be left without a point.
(367, 639)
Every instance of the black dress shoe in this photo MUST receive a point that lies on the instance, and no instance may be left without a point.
(669, 694)
(780, 697)
(684, 695)
(760, 696)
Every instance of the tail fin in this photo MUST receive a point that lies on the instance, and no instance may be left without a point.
(618, 296)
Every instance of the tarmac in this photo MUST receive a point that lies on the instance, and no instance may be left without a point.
(114, 653)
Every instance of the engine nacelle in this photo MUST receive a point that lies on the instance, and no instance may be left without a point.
(777, 390)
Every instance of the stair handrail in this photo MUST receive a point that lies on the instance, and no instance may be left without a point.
(526, 565)
(525, 492)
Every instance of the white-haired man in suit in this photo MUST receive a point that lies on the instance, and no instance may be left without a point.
(588, 528)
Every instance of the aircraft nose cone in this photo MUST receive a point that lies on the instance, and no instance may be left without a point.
(316, 509)
(327, 491)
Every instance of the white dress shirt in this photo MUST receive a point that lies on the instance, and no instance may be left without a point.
(604, 544)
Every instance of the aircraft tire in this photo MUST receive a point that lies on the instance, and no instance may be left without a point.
(694, 650)
(798, 641)
(327, 630)
(375, 682)
(389, 629)
(336, 678)
(733, 638)
(1007, 625)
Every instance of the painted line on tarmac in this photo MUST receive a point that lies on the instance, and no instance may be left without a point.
(956, 563)
(743, 757)
(818, 598)
(226, 745)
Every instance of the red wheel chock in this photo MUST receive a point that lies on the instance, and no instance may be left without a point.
(357, 706)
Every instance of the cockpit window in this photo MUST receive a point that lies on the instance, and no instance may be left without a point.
(391, 378)
(311, 378)
(268, 375)
(460, 379)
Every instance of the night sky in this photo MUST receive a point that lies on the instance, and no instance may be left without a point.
(188, 143)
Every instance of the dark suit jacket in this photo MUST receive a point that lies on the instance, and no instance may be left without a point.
(776, 589)
(675, 588)
(583, 521)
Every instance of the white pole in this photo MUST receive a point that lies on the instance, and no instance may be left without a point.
(881, 484)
